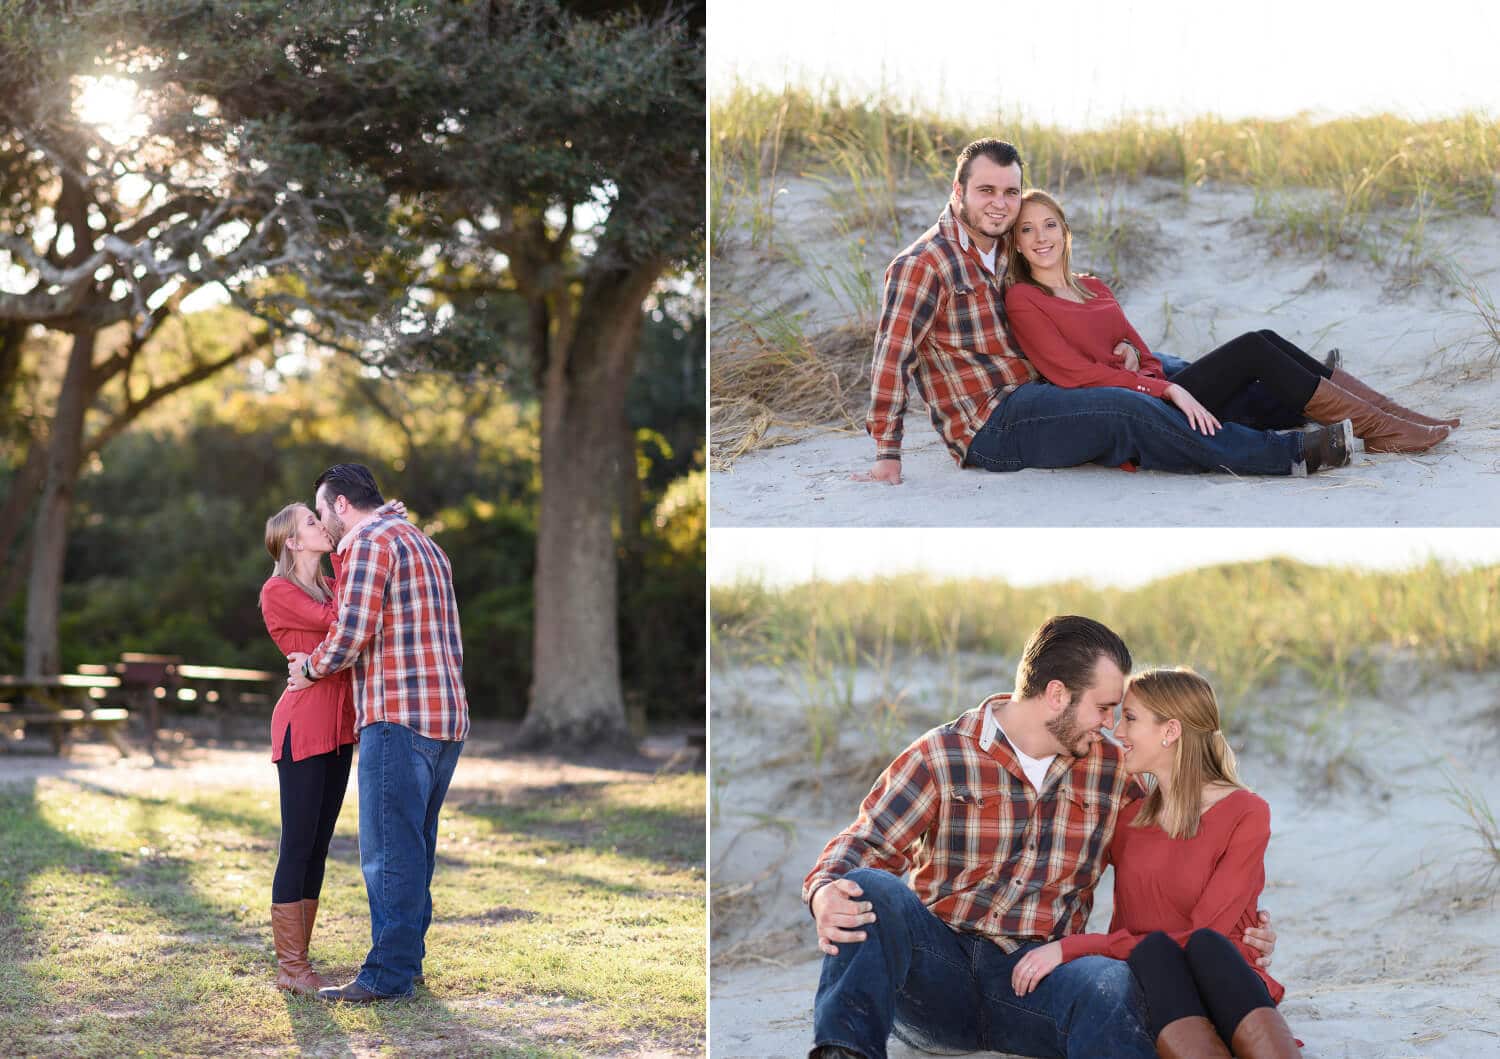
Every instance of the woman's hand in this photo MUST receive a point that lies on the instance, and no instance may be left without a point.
(1198, 417)
(1034, 966)
(1129, 354)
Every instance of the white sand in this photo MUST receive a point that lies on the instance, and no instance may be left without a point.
(1213, 274)
(1384, 948)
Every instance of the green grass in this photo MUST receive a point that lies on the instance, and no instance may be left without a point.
(568, 921)
(1381, 177)
(1244, 625)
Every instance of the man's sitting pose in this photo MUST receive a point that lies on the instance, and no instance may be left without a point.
(1000, 822)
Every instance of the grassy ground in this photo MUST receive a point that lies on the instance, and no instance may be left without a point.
(1242, 625)
(569, 921)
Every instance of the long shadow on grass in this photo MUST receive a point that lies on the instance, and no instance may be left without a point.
(585, 816)
(30, 846)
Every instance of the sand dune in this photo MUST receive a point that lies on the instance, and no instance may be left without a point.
(1196, 274)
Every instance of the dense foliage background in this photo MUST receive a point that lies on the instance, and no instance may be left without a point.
(166, 553)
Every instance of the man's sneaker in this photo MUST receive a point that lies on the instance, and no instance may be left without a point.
(833, 1051)
(1328, 446)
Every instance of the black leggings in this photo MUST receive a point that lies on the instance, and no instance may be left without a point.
(312, 792)
(1208, 977)
(1262, 356)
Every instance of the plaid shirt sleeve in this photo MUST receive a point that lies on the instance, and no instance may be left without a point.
(892, 819)
(912, 293)
(367, 569)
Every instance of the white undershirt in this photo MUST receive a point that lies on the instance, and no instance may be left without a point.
(1034, 767)
(989, 259)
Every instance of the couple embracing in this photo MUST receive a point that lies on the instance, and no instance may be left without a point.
(1023, 363)
(389, 621)
(952, 912)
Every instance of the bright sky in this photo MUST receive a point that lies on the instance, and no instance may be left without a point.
(1124, 557)
(1085, 62)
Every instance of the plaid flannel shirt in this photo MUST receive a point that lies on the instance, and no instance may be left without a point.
(986, 852)
(398, 627)
(942, 322)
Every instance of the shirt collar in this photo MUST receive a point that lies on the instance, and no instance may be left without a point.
(948, 225)
(350, 533)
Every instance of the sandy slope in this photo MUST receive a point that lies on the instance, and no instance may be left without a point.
(1207, 272)
(1386, 948)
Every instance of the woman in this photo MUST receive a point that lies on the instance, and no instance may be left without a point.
(1189, 869)
(312, 736)
(1073, 330)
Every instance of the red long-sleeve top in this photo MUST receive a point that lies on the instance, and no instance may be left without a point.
(1180, 885)
(322, 716)
(1073, 343)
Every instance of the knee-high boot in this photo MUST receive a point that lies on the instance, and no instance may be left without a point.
(1343, 379)
(1191, 1037)
(1380, 431)
(1264, 1034)
(288, 934)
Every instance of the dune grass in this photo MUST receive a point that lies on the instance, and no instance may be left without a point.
(1244, 625)
(569, 921)
(876, 145)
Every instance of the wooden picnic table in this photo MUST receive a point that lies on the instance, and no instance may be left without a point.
(62, 702)
(152, 681)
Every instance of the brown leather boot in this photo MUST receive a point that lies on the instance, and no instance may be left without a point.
(309, 917)
(1364, 392)
(1264, 1034)
(1380, 431)
(1193, 1037)
(293, 972)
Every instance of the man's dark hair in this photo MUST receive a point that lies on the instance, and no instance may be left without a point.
(997, 151)
(1067, 648)
(353, 482)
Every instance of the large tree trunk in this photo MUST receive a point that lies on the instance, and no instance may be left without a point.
(576, 696)
(49, 535)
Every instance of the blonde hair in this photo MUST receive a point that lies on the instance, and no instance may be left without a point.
(1018, 269)
(1200, 756)
(281, 528)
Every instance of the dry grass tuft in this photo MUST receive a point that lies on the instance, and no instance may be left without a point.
(762, 395)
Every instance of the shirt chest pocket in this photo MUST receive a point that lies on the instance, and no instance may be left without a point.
(968, 814)
(971, 315)
(1080, 814)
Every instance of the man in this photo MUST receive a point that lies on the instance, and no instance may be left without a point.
(398, 627)
(943, 324)
(1002, 818)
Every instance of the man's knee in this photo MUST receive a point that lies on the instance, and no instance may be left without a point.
(881, 888)
(1111, 985)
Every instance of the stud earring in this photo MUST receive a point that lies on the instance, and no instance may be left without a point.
(1165, 743)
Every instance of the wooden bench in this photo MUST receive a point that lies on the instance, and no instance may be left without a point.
(155, 683)
(61, 703)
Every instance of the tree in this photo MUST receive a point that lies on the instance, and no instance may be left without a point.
(549, 167)
(113, 215)
(490, 188)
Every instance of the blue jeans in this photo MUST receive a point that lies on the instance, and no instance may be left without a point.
(1255, 406)
(942, 991)
(1041, 425)
(403, 779)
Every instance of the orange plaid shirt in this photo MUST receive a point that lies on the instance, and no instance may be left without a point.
(943, 323)
(986, 852)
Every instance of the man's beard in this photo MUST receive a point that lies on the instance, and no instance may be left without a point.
(975, 223)
(1068, 732)
(335, 528)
